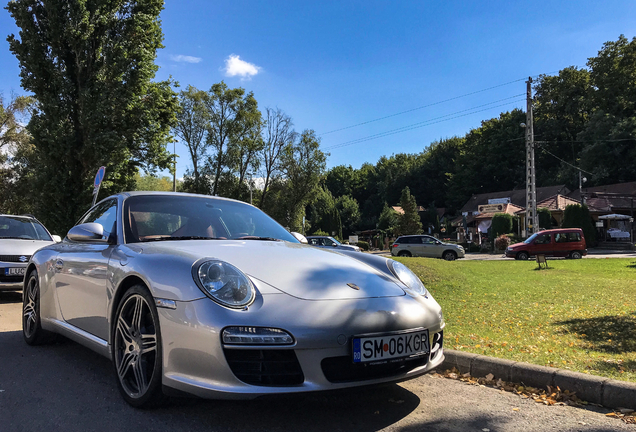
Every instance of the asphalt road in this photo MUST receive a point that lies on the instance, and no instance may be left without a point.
(66, 387)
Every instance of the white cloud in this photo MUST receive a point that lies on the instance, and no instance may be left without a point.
(186, 59)
(234, 66)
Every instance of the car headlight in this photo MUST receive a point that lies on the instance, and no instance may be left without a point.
(408, 278)
(224, 283)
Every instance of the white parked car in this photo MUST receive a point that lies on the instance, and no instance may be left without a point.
(20, 237)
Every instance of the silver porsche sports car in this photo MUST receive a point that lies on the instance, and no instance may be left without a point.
(211, 297)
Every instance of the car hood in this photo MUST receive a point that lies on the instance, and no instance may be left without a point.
(21, 247)
(517, 245)
(299, 270)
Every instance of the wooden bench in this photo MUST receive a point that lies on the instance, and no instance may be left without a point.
(541, 260)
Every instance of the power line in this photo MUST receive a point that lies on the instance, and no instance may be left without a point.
(429, 122)
(565, 162)
(426, 106)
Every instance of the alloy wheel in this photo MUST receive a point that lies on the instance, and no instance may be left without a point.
(30, 308)
(135, 346)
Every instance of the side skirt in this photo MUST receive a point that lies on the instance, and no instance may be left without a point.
(78, 335)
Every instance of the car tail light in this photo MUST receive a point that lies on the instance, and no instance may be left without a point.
(395, 245)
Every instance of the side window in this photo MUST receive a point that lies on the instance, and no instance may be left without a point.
(560, 237)
(543, 239)
(327, 242)
(574, 237)
(428, 240)
(104, 214)
(314, 242)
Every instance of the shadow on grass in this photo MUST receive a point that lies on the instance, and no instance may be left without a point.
(610, 334)
(614, 366)
(632, 265)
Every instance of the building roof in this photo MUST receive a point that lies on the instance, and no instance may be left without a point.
(517, 197)
(559, 202)
(596, 196)
(399, 209)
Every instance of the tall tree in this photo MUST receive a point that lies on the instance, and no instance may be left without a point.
(409, 222)
(249, 144)
(278, 132)
(191, 127)
(89, 65)
(15, 148)
(610, 135)
(303, 164)
(231, 115)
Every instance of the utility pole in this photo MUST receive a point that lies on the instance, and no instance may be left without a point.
(532, 218)
(174, 173)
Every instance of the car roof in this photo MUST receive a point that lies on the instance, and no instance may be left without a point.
(313, 236)
(19, 216)
(556, 230)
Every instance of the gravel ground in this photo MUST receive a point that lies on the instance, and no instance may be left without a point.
(66, 387)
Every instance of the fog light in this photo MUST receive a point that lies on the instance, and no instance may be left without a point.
(256, 336)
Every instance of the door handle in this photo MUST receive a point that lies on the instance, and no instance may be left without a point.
(59, 264)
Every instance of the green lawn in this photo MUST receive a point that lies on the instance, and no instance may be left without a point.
(578, 314)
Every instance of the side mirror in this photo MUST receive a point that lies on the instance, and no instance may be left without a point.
(301, 238)
(88, 232)
(56, 238)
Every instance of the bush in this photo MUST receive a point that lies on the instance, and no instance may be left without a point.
(545, 218)
(363, 245)
(577, 216)
(485, 247)
(321, 233)
(501, 224)
(502, 242)
(470, 247)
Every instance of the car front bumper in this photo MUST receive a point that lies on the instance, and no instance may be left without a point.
(11, 283)
(196, 360)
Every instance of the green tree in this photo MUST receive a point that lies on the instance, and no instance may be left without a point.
(349, 213)
(578, 216)
(388, 220)
(150, 182)
(191, 127)
(232, 117)
(562, 108)
(303, 164)
(545, 218)
(90, 66)
(278, 133)
(409, 222)
(501, 224)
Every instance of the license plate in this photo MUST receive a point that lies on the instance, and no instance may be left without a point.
(14, 271)
(390, 346)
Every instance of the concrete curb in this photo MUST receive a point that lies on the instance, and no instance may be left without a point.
(603, 391)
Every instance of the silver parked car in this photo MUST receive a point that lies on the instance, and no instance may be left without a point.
(212, 297)
(330, 242)
(426, 246)
(20, 237)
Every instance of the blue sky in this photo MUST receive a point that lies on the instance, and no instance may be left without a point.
(333, 64)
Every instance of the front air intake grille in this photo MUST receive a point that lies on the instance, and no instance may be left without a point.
(268, 367)
(15, 258)
(342, 369)
(437, 344)
(4, 278)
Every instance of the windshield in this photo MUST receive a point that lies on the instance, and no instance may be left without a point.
(171, 217)
(22, 228)
(335, 241)
(531, 238)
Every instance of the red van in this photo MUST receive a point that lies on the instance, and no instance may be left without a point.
(565, 242)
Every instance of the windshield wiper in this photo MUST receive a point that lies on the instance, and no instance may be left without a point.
(256, 238)
(169, 238)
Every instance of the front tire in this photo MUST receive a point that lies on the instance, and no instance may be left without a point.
(523, 256)
(576, 255)
(31, 322)
(449, 256)
(136, 348)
